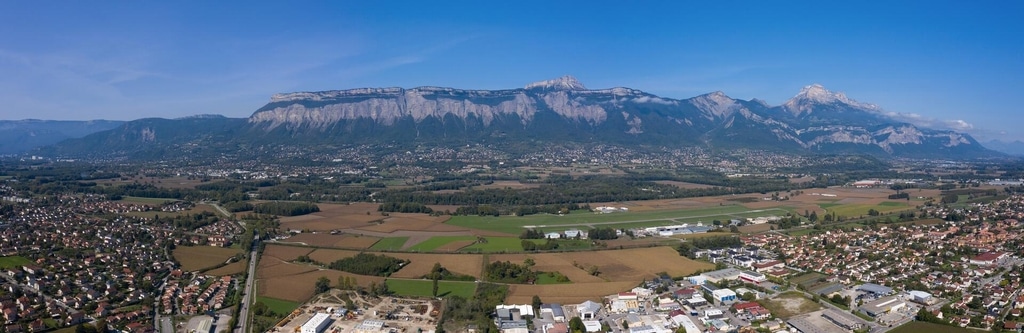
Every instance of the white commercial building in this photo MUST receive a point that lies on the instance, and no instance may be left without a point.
(316, 324)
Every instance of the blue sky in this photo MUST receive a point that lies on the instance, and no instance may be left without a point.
(938, 61)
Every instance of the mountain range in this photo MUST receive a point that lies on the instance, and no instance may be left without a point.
(815, 120)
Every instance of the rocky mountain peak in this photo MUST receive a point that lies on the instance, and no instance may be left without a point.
(816, 94)
(716, 104)
(567, 82)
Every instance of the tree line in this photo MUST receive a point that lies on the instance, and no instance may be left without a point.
(369, 264)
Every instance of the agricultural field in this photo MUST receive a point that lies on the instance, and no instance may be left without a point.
(300, 287)
(755, 228)
(434, 243)
(807, 279)
(194, 258)
(583, 219)
(411, 222)
(633, 265)
(496, 244)
(789, 304)
(855, 210)
(229, 269)
(335, 216)
(284, 252)
(390, 244)
(923, 327)
(350, 241)
(13, 261)
(278, 306)
(565, 294)
(420, 263)
(425, 288)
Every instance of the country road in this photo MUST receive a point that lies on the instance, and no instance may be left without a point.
(247, 293)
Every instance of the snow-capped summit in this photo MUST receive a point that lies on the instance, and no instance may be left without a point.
(567, 82)
(817, 94)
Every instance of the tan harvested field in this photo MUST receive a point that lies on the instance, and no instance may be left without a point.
(566, 294)
(328, 240)
(193, 258)
(639, 242)
(683, 185)
(421, 263)
(755, 228)
(230, 269)
(272, 267)
(632, 265)
(285, 253)
(299, 287)
(413, 222)
(328, 256)
(335, 216)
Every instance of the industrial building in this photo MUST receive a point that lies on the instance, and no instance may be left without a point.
(318, 323)
(920, 297)
(883, 305)
(753, 277)
(875, 289)
(841, 319)
(721, 275)
(724, 295)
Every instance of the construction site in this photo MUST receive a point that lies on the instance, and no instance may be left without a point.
(344, 311)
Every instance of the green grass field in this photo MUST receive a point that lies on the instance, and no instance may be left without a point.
(583, 219)
(280, 307)
(854, 210)
(923, 327)
(496, 244)
(13, 261)
(151, 201)
(544, 278)
(389, 244)
(424, 288)
(437, 241)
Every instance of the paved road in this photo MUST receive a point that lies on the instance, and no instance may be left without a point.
(243, 315)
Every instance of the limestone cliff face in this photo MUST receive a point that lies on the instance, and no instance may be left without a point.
(388, 105)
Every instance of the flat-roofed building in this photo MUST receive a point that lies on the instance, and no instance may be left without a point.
(721, 275)
(841, 319)
(883, 305)
(318, 323)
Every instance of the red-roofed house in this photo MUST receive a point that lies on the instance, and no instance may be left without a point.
(988, 258)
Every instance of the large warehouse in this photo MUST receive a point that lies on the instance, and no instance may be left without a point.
(316, 324)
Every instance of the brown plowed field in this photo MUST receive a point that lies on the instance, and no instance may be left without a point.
(328, 240)
(566, 294)
(299, 287)
(421, 263)
(285, 253)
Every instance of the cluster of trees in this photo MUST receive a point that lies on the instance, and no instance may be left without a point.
(902, 195)
(549, 245)
(285, 208)
(459, 311)
(404, 207)
(439, 272)
(188, 221)
(508, 272)
(550, 209)
(531, 234)
(369, 264)
(238, 206)
(602, 234)
(716, 242)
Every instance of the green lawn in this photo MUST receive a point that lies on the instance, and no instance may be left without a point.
(13, 261)
(544, 278)
(435, 242)
(424, 288)
(496, 244)
(389, 243)
(584, 219)
(280, 307)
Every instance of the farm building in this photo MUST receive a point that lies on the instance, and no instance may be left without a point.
(317, 323)
(875, 289)
(883, 305)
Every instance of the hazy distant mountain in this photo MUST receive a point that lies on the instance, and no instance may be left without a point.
(18, 136)
(1013, 148)
(815, 120)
